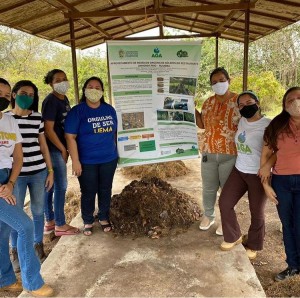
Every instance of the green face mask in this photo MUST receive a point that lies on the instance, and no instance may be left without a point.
(24, 101)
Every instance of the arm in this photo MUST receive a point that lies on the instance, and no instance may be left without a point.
(73, 149)
(7, 189)
(267, 161)
(52, 136)
(47, 158)
(199, 120)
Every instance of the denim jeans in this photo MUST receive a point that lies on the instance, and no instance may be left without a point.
(96, 179)
(13, 217)
(287, 189)
(59, 189)
(215, 169)
(36, 186)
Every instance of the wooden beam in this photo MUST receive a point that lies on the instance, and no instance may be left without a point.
(74, 60)
(246, 50)
(272, 16)
(16, 5)
(217, 52)
(166, 37)
(91, 23)
(160, 18)
(170, 10)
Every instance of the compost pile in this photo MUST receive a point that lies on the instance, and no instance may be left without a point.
(153, 208)
(161, 170)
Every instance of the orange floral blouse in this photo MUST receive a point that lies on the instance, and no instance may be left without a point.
(220, 121)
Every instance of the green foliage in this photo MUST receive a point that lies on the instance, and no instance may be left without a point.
(265, 85)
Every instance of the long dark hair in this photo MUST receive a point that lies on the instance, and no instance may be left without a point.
(279, 125)
(83, 97)
(25, 83)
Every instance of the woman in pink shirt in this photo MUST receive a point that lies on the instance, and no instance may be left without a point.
(282, 137)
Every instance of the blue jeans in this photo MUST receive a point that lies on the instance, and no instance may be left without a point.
(215, 169)
(36, 186)
(96, 179)
(59, 190)
(287, 189)
(13, 217)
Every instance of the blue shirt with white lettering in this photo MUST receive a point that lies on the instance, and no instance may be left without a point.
(96, 132)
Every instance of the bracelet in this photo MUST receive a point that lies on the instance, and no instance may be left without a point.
(50, 170)
(12, 183)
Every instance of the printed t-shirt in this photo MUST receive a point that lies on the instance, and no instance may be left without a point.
(249, 143)
(220, 121)
(31, 126)
(288, 154)
(9, 136)
(95, 130)
(55, 109)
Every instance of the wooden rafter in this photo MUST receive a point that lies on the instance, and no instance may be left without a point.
(86, 20)
(16, 5)
(160, 18)
(171, 10)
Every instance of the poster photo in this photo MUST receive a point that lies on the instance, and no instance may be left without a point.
(153, 88)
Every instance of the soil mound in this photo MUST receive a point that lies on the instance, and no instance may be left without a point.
(285, 288)
(160, 170)
(153, 208)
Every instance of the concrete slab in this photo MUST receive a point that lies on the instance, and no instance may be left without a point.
(184, 265)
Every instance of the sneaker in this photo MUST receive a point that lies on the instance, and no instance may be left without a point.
(39, 251)
(15, 287)
(288, 272)
(206, 223)
(219, 230)
(252, 254)
(230, 245)
(15, 260)
(44, 291)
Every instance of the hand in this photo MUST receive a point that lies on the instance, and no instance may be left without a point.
(11, 200)
(265, 174)
(65, 155)
(49, 181)
(270, 193)
(6, 190)
(76, 168)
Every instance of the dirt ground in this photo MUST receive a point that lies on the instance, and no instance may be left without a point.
(269, 262)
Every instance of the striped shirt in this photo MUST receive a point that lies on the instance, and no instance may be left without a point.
(31, 126)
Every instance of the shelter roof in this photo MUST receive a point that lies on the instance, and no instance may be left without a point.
(96, 21)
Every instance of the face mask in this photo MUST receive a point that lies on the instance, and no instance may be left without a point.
(93, 95)
(249, 111)
(220, 88)
(62, 87)
(24, 101)
(294, 108)
(4, 103)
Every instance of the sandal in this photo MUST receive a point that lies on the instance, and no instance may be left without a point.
(87, 230)
(69, 231)
(107, 227)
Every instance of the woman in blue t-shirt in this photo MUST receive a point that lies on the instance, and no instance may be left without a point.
(90, 129)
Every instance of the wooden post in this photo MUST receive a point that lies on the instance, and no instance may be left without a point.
(217, 52)
(74, 60)
(246, 50)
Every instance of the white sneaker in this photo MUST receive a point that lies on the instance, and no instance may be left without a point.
(219, 230)
(206, 223)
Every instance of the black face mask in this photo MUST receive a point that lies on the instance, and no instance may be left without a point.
(4, 103)
(249, 111)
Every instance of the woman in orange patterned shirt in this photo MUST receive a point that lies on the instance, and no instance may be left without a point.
(219, 117)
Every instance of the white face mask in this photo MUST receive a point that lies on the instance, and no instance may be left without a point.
(294, 108)
(93, 95)
(62, 87)
(220, 88)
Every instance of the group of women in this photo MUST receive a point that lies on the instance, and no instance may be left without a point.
(243, 151)
(240, 149)
(34, 149)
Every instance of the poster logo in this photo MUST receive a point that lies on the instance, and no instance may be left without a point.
(128, 54)
(156, 53)
(182, 54)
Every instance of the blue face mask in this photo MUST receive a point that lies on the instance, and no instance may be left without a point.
(24, 101)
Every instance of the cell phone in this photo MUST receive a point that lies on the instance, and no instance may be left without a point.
(204, 158)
